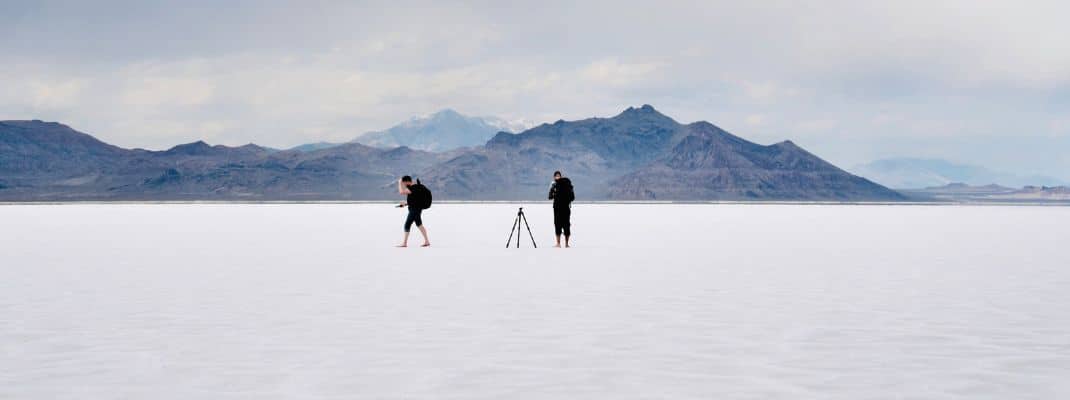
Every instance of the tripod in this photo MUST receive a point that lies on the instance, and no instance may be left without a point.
(516, 228)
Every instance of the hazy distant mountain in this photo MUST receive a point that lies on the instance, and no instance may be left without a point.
(961, 192)
(922, 173)
(314, 146)
(444, 130)
(638, 155)
(1039, 193)
(512, 126)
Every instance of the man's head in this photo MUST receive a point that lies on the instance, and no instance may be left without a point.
(557, 175)
(406, 180)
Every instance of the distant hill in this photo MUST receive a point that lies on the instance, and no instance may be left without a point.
(441, 131)
(961, 192)
(914, 173)
(639, 154)
(49, 148)
(47, 161)
(314, 146)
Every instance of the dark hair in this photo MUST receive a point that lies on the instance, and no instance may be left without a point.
(406, 178)
(557, 173)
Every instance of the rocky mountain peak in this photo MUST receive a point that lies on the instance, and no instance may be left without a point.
(195, 148)
(645, 112)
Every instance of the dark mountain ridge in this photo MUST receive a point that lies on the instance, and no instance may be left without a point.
(711, 164)
(642, 154)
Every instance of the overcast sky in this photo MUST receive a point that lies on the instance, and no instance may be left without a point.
(985, 82)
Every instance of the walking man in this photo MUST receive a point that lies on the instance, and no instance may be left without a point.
(417, 198)
(562, 194)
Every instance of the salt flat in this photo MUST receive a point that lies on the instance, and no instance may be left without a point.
(655, 301)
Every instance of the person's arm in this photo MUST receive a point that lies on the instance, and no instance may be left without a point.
(404, 191)
(553, 191)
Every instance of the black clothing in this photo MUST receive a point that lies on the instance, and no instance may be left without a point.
(561, 192)
(562, 223)
(414, 217)
(412, 198)
(419, 196)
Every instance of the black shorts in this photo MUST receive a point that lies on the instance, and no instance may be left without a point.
(414, 217)
(562, 220)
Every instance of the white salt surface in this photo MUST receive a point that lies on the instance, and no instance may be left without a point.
(655, 301)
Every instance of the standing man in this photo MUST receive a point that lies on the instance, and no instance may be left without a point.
(416, 201)
(562, 194)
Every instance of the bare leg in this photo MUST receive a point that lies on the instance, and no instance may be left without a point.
(423, 231)
(566, 242)
(558, 245)
(404, 240)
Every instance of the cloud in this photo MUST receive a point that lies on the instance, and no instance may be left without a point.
(55, 94)
(767, 92)
(158, 92)
(614, 73)
(150, 74)
(1060, 127)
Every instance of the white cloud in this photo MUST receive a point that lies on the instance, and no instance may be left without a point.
(614, 73)
(820, 125)
(1060, 127)
(56, 94)
(157, 92)
(767, 92)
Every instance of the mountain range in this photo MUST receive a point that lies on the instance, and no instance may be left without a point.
(916, 173)
(961, 192)
(639, 154)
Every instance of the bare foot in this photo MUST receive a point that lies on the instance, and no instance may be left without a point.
(428, 244)
(568, 247)
(557, 246)
(402, 245)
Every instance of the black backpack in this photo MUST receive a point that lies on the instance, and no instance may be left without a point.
(421, 194)
(564, 190)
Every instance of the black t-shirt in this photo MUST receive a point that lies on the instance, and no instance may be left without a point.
(410, 199)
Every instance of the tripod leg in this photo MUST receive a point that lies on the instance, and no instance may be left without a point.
(515, 228)
(519, 217)
(529, 232)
